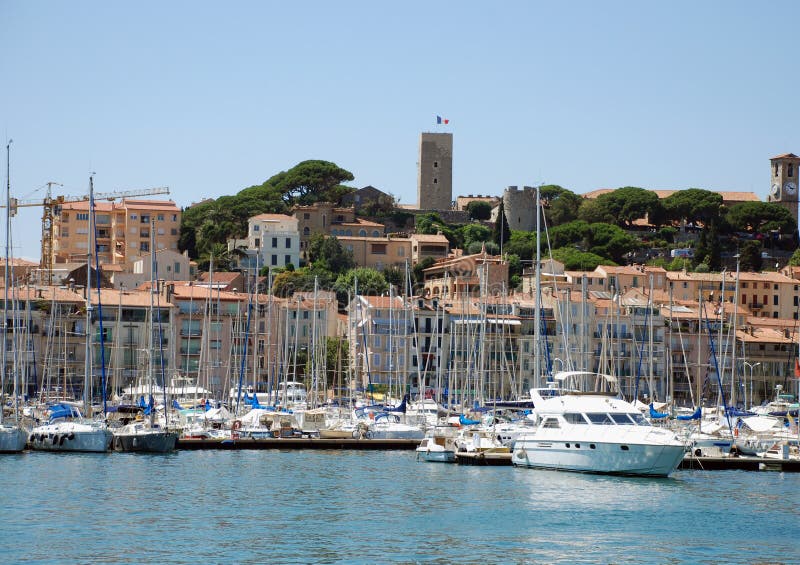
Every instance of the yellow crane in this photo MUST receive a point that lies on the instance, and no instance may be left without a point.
(52, 207)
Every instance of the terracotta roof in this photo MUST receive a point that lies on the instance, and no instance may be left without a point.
(382, 301)
(785, 156)
(221, 277)
(48, 293)
(186, 292)
(727, 195)
(430, 238)
(763, 335)
(273, 217)
(14, 262)
(111, 298)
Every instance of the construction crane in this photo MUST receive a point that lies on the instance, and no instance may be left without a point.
(52, 208)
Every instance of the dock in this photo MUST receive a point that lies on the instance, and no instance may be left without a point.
(740, 463)
(483, 458)
(294, 443)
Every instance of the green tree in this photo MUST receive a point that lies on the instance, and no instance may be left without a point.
(623, 206)
(761, 217)
(337, 359)
(560, 204)
(750, 256)
(522, 244)
(471, 233)
(693, 205)
(611, 241)
(328, 253)
(370, 283)
(479, 210)
(285, 284)
(575, 259)
(795, 260)
(314, 181)
(501, 232)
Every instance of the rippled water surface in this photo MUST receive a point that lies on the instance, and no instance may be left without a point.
(380, 507)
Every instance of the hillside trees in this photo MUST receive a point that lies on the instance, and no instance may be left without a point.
(216, 221)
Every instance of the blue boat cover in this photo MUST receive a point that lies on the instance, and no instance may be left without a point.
(464, 421)
(695, 416)
(657, 415)
(64, 411)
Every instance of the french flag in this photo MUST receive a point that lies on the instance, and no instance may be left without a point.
(440, 120)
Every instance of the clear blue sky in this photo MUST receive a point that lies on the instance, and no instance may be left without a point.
(211, 97)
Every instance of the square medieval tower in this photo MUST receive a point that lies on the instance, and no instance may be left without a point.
(435, 173)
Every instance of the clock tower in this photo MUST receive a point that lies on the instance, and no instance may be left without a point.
(784, 177)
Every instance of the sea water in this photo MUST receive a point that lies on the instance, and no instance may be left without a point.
(380, 507)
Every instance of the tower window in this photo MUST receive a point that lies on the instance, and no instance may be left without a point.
(435, 181)
(791, 170)
(776, 169)
(435, 164)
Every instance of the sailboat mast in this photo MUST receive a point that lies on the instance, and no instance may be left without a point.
(6, 274)
(537, 312)
(87, 373)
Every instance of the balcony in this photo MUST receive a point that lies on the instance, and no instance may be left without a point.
(756, 306)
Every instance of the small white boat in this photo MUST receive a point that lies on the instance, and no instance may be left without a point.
(144, 437)
(438, 445)
(68, 430)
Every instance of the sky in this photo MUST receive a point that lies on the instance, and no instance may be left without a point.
(208, 98)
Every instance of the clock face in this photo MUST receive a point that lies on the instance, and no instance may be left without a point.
(776, 190)
(790, 188)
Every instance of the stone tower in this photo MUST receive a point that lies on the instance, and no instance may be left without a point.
(520, 208)
(784, 180)
(435, 173)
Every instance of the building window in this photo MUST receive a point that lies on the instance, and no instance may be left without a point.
(257, 242)
(306, 231)
(306, 216)
(274, 260)
(435, 164)
(287, 259)
(256, 227)
(65, 233)
(401, 252)
(177, 268)
(160, 217)
(173, 231)
(144, 246)
(775, 300)
(145, 218)
(791, 170)
(274, 242)
(435, 181)
(82, 216)
(288, 243)
(362, 233)
(174, 217)
(134, 217)
(376, 360)
(376, 233)
(379, 249)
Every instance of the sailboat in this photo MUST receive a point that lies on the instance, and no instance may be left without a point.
(144, 434)
(67, 429)
(12, 436)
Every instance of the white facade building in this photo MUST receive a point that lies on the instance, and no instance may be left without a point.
(276, 239)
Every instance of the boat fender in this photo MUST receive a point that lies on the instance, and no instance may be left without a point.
(735, 432)
(237, 425)
(61, 440)
(368, 435)
(55, 439)
(71, 436)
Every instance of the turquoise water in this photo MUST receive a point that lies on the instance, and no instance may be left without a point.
(380, 507)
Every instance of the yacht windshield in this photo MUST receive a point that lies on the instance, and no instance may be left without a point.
(601, 419)
(622, 420)
(639, 419)
(574, 418)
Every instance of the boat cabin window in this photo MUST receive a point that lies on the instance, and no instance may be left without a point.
(574, 418)
(622, 420)
(551, 423)
(601, 419)
(639, 419)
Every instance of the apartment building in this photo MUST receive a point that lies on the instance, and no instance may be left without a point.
(393, 250)
(123, 230)
(275, 239)
(467, 275)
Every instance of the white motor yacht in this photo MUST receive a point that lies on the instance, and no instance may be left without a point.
(594, 432)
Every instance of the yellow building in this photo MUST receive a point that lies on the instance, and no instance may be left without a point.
(123, 230)
(378, 252)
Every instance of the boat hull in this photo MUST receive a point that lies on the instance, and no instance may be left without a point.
(433, 456)
(13, 439)
(597, 457)
(70, 437)
(149, 442)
